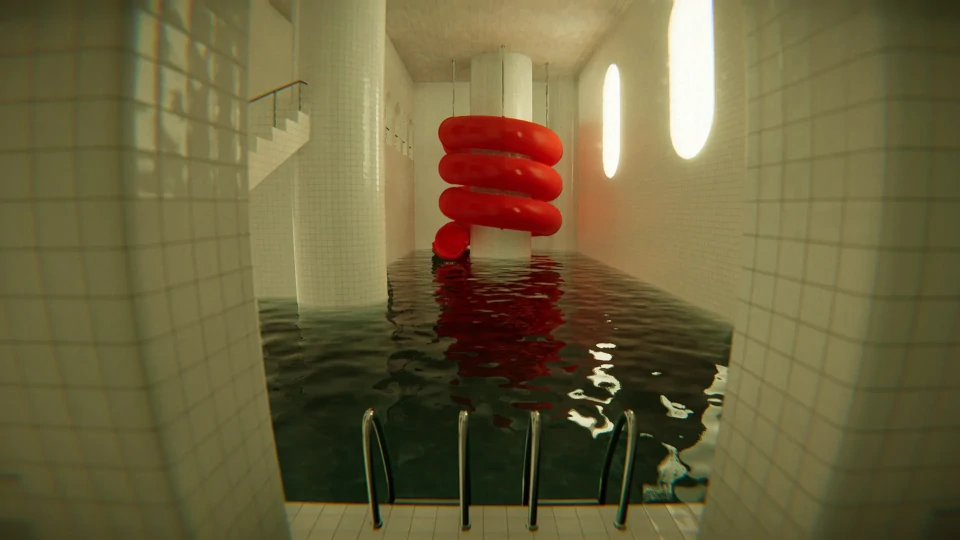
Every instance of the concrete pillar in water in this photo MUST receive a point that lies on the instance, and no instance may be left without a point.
(501, 84)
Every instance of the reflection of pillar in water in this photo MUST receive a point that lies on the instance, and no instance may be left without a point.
(503, 327)
(699, 457)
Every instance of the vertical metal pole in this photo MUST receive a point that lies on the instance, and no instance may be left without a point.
(624, 506)
(546, 112)
(503, 84)
(464, 447)
(453, 89)
(534, 459)
(368, 471)
(274, 109)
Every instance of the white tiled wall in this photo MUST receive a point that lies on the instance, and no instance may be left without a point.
(844, 372)
(339, 216)
(134, 402)
(672, 222)
(271, 203)
(275, 138)
(271, 234)
(563, 121)
(398, 158)
(434, 102)
(271, 51)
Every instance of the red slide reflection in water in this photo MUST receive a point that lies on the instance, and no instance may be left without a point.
(502, 328)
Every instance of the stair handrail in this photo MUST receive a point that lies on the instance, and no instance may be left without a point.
(298, 83)
(628, 418)
(372, 426)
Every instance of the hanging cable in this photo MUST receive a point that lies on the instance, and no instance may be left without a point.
(503, 87)
(546, 107)
(453, 88)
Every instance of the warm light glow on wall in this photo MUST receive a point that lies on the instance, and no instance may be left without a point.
(611, 121)
(690, 37)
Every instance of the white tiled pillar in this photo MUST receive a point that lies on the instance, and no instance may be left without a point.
(501, 84)
(132, 394)
(846, 353)
(340, 240)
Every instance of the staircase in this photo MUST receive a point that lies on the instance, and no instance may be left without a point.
(277, 132)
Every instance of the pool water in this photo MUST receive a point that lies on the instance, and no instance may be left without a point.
(563, 334)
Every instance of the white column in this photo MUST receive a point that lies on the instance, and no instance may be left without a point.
(339, 234)
(501, 85)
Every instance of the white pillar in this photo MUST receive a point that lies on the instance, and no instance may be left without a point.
(501, 88)
(340, 240)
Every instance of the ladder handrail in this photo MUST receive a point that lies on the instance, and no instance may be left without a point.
(531, 470)
(372, 426)
(629, 419)
(464, 461)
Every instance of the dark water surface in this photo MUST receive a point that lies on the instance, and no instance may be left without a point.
(564, 335)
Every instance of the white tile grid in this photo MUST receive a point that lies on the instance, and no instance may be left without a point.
(846, 337)
(339, 202)
(269, 152)
(188, 228)
(563, 121)
(271, 203)
(672, 222)
(76, 432)
(271, 234)
(400, 205)
(433, 102)
(316, 521)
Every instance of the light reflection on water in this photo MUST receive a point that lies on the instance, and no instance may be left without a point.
(564, 335)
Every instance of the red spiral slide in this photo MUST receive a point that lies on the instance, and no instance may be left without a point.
(502, 154)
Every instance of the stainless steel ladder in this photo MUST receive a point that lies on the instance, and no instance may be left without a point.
(531, 469)
(372, 426)
(628, 418)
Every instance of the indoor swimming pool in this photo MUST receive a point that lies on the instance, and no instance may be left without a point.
(564, 335)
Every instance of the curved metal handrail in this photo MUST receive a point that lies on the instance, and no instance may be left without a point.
(372, 426)
(629, 419)
(531, 470)
(464, 459)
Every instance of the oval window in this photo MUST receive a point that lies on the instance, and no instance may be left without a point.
(691, 62)
(611, 121)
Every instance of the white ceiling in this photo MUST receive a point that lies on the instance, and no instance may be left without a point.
(428, 34)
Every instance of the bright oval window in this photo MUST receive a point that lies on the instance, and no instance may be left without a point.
(611, 121)
(691, 56)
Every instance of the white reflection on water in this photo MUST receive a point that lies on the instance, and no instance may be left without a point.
(605, 381)
(601, 356)
(700, 456)
(675, 410)
(606, 346)
(671, 470)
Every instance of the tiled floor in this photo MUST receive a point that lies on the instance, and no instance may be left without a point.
(314, 521)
